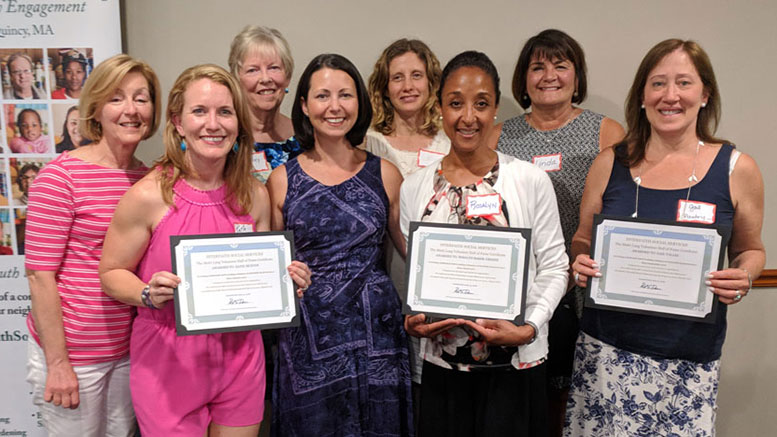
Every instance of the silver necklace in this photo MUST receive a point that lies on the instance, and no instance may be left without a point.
(691, 180)
(544, 134)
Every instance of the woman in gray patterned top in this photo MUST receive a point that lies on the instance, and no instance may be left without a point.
(563, 140)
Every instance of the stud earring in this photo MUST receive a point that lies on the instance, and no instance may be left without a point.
(286, 90)
(575, 93)
(526, 97)
(236, 147)
(495, 117)
(704, 104)
(183, 145)
(643, 106)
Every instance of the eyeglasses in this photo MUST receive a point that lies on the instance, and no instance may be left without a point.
(21, 72)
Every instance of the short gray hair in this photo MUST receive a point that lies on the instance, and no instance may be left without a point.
(259, 38)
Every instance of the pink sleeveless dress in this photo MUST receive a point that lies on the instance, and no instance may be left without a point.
(181, 384)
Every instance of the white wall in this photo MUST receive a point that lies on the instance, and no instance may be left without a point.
(740, 38)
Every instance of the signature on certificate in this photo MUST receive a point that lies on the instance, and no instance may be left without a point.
(459, 290)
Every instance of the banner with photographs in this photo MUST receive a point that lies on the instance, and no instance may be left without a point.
(47, 50)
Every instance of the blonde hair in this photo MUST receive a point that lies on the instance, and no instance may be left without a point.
(262, 39)
(383, 110)
(102, 84)
(237, 171)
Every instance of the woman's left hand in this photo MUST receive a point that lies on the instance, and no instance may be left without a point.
(301, 275)
(731, 285)
(502, 332)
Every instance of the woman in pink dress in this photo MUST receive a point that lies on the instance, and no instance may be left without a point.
(211, 384)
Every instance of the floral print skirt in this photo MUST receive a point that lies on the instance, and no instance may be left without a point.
(619, 393)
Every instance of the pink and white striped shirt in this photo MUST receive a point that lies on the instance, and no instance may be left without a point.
(70, 206)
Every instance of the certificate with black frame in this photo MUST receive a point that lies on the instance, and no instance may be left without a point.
(466, 271)
(655, 267)
(233, 282)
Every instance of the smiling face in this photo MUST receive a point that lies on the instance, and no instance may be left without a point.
(331, 104)
(550, 82)
(21, 76)
(408, 85)
(208, 120)
(673, 95)
(468, 108)
(30, 127)
(264, 79)
(128, 114)
(74, 78)
(71, 124)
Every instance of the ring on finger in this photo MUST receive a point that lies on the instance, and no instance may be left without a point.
(738, 297)
(577, 276)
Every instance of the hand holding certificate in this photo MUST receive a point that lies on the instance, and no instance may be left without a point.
(655, 267)
(467, 271)
(233, 282)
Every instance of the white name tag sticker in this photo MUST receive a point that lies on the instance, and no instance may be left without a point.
(260, 161)
(484, 205)
(548, 162)
(241, 228)
(428, 157)
(695, 212)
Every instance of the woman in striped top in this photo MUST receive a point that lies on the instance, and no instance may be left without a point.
(79, 357)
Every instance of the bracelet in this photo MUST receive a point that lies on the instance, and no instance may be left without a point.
(536, 332)
(145, 296)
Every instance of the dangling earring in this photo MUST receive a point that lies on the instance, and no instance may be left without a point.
(286, 90)
(236, 147)
(183, 145)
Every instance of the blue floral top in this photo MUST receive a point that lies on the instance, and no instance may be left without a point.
(275, 154)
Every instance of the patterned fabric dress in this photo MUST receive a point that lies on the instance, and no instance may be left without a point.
(345, 370)
(646, 375)
(275, 154)
(565, 154)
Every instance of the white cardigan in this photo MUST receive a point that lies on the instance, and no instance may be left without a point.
(531, 203)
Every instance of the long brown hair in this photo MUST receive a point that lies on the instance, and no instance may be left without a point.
(237, 170)
(638, 132)
(383, 110)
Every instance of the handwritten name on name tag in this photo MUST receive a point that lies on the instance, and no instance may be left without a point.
(241, 228)
(548, 162)
(695, 212)
(428, 157)
(484, 205)
(260, 161)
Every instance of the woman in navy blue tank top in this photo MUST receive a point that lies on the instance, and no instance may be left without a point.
(639, 374)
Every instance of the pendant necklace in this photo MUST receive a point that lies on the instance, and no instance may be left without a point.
(691, 180)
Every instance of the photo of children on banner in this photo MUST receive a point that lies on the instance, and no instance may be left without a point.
(69, 68)
(23, 173)
(66, 137)
(27, 128)
(23, 74)
(6, 244)
(3, 184)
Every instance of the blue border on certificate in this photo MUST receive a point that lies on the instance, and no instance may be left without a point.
(673, 232)
(519, 241)
(289, 304)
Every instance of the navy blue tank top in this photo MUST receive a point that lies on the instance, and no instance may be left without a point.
(663, 337)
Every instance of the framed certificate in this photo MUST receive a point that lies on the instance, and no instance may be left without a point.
(233, 282)
(655, 267)
(466, 271)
